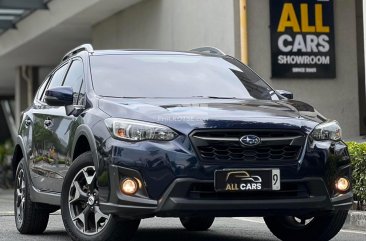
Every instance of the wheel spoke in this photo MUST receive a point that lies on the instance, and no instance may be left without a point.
(18, 197)
(21, 206)
(23, 186)
(99, 216)
(82, 217)
(22, 182)
(19, 182)
(89, 179)
(79, 195)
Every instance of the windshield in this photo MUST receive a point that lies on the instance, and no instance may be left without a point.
(176, 76)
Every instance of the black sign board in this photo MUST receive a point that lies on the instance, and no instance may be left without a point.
(302, 39)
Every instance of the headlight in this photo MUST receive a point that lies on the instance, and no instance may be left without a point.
(133, 130)
(329, 130)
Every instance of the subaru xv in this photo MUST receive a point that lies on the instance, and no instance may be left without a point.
(116, 136)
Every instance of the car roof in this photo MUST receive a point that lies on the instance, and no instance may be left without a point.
(149, 52)
(202, 51)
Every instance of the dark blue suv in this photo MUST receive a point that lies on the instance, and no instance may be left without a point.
(115, 136)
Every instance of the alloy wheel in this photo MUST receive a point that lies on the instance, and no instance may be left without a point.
(19, 198)
(84, 203)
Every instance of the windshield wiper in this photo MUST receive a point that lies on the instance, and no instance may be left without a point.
(213, 97)
(197, 96)
(126, 97)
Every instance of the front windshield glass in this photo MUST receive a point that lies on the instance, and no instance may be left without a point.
(176, 76)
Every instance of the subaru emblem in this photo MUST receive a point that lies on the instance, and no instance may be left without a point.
(250, 140)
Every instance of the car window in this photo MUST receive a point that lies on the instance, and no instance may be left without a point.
(74, 78)
(177, 76)
(41, 89)
(81, 99)
(58, 77)
(54, 80)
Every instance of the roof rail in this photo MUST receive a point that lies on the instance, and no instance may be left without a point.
(210, 50)
(84, 47)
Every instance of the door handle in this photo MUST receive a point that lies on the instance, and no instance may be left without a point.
(48, 123)
(27, 122)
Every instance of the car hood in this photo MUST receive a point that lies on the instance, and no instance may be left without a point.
(185, 115)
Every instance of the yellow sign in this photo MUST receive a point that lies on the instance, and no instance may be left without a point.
(289, 20)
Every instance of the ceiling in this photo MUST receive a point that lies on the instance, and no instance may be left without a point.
(11, 12)
(41, 34)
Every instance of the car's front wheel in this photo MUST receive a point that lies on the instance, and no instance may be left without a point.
(197, 223)
(319, 228)
(80, 209)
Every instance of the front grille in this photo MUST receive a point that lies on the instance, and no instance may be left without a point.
(236, 152)
(215, 146)
(288, 190)
(240, 133)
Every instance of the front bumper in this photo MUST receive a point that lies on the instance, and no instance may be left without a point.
(189, 196)
(177, 183)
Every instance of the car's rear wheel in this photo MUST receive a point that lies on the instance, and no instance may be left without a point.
(197, 223)
(319, 228)
(80, 209)
(30, 217)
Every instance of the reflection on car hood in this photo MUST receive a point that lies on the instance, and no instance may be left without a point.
(188, 114)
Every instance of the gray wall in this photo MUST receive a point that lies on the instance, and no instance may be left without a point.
(169, 25)
(334, 98)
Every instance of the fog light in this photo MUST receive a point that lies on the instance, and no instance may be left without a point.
(129, 186)
(342, 184)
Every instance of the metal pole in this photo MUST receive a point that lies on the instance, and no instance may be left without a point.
(244, 32)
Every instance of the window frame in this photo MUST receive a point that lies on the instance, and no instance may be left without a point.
(76, 58)
(42, 89)
(49, 79)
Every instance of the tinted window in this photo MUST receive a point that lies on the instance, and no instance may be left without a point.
(74, 78)
(58, 77)
(81, 99)
(40, 91)
(144, 75)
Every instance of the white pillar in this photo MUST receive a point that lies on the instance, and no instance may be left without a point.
(26, 80)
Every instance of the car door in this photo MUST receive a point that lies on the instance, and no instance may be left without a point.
(44, 140)
(56, 138)
(64, 125)
(27, 130)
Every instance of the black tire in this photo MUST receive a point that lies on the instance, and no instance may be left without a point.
(30, 217)
(197, 223)
(321, 228)
(113, 228)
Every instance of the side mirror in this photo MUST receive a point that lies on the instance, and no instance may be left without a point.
(289, 95)
(59, 96)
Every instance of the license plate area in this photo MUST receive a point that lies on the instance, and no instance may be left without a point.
(244, 180)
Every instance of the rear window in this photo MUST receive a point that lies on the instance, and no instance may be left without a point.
(176, 76)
